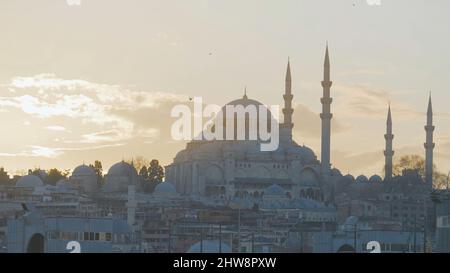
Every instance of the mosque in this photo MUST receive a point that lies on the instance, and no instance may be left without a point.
(237, 168)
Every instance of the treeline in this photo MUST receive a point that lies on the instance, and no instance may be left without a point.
(150, 173)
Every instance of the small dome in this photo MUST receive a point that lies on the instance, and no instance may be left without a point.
(119, 177)
(362, 179)
(122, 169)
(375, 179)
(83, 170)
(64, 185)
(335, 172)
(165, 188)
(29, 181)
(349, 177)
(274, 190)
(351, 221)
(210, 246)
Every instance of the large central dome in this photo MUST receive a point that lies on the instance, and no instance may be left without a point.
(244, 117)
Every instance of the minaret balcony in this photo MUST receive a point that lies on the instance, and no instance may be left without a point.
(288, 96)
(326, 115)
(429, 128)
(326, 100)
(327, 84)
(429, 145)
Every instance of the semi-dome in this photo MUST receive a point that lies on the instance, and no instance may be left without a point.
(165, 188)
(274, 190)
(375, 179)
(29, 181)
(83, 170)
(209, 246)
(301, 152)
(362, 179)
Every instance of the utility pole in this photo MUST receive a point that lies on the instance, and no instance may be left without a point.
(301, 241)
(170, 236)
(239, 229)
(253, 242)
(220, 238)
(201, 240)
(425, 225)
(415, 237)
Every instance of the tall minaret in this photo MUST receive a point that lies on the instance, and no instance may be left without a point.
(287, 110)
(326, 115)
(429, 145)
(388, 153)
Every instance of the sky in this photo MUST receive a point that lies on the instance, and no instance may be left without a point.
(97, 81)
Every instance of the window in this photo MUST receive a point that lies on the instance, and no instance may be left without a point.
(86, 236)
(91, 236)
(108, 236)
(97, 236)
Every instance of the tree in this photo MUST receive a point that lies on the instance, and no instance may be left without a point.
(98, 168)
(4, 177)
(38, 172)
(144, 173)
(410, 162)
(417, 163)
(155, 174)
(143, 179)
(54, 175)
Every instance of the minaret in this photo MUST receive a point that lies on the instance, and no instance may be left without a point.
(388, 153)
(326, 115)
(287, 110)
(429, 145)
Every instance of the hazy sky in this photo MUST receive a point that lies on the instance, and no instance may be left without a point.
(97, 81)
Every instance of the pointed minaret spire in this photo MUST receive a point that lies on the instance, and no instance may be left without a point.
(429, 145)
(388, 152)
(326, 115)
(287, 110)
(288, 74)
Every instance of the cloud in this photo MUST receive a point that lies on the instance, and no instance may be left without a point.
(97, 116)
(308, 124)
(357, 100)
(362, 72)
(124, 113)
(48, 152)
(56, 128)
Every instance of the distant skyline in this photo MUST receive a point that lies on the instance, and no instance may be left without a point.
(97, 81)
